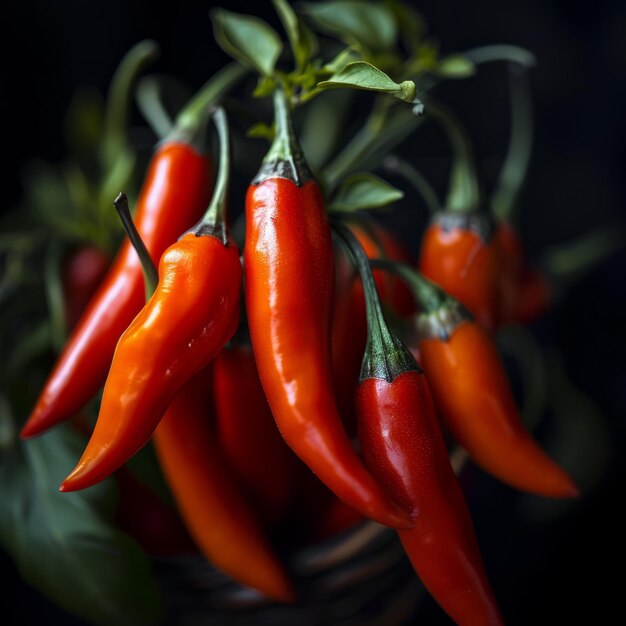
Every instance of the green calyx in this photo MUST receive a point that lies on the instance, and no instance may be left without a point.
(285, 158)
(385, 356)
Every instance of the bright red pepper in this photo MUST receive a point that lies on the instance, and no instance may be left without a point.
(193, 312)
(220, 520)
(289, 274)
(405, 449)
(459, 254)
(475, 402)
(175, 192)
(247, 433)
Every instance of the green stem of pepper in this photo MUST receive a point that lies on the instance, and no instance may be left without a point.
(385, 356)
(285, 158)
(463, 191)
(515, 168)
(150, 274)
(119, 98)
(501, 52)
(213, 222)
(190, 122)
(396, 165)
(430, 297)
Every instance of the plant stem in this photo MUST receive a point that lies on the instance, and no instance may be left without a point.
(501, 52)
(513, 173)
(150, 274)
(396, 165)
(385, 355)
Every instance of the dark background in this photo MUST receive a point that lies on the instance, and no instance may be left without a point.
(554, 572)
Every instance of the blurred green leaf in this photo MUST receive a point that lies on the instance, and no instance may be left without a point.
(364, 191)
(359, 24)
(261, 130)
(410, 22)
(302, 41)
(63, 544)
(455, 66)
(247, 39)
(85, 122)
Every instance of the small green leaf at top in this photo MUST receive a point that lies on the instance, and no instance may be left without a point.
(362, 75)
(260, 130)
(248, 39)
(364, 191)
(357, 23)
(455, 66)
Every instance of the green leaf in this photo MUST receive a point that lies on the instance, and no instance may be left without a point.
(264, 87)
(346, 56)
(361, 75)
(248, 39)
(261, 130)
(64, 545)
(301, 39)
(364, 191)
(455, 66)
(409, 21)
(359, 24)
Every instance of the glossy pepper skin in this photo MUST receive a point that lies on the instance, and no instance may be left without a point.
(475, 402)
(209, 498)
(247, 433)
(174, 195)
(289, 276)
(404, 448)
(191, 315)
(460, 255)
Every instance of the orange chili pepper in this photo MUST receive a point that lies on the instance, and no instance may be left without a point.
(459, 254)
(193, 312)
(289, 271)
(473, 396)
(175, 192)
(220, 520)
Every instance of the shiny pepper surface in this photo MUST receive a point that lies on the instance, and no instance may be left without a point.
(192, 314)
(459, 254)
(476, 404)
(289, 287)
(174, 195)
(209, 497)
(289, 269)
(403, 446)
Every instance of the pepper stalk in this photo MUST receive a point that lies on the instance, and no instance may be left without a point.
(385, 356)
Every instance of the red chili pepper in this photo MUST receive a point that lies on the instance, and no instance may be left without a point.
(209, 498)
(459, 254)
(247, 433)
(473, 397)
(175, 192)
(289, 290)
(193, 312)
(83, 271)
(404, 448)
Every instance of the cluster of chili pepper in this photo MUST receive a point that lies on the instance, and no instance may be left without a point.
(232, 403)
